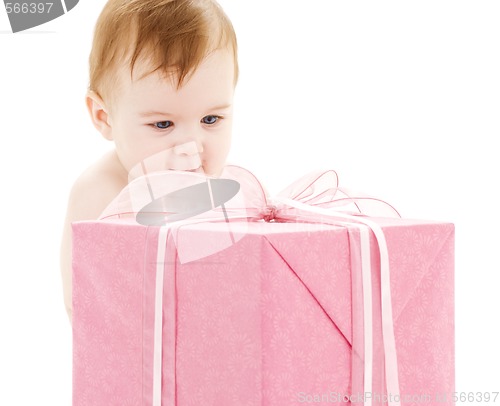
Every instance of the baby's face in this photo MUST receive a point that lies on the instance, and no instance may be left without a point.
(190, 126)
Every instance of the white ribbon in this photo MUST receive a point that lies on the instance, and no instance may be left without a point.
(158, 326)
(364, 236)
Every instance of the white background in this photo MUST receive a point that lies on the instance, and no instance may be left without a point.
(401, 98)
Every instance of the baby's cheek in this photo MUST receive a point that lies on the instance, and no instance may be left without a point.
(220, 145)
(216, 159)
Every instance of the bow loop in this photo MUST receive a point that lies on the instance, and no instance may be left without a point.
(320, 188)
(312, 186)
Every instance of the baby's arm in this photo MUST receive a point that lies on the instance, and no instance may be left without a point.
(89, 196)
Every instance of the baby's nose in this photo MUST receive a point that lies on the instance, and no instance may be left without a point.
(188, 148)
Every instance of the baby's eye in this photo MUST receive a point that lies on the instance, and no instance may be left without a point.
(162, 125)
(210, 119)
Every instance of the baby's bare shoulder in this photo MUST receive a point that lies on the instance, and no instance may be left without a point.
(96, 187)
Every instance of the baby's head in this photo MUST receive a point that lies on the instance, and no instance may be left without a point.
(162, 78)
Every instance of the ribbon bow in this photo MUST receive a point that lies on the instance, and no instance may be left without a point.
(317, 189)
(316, 198)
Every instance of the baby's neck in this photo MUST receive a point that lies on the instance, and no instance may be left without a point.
(116, 168)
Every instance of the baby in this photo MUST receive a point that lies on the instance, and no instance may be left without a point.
(162, 77)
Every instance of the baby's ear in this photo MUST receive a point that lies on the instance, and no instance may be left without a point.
(98, 114)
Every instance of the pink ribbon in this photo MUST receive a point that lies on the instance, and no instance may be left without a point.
(314, 198)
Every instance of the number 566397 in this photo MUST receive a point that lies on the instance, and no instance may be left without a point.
(28, 8)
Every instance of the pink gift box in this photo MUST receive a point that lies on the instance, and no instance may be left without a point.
(266, 321)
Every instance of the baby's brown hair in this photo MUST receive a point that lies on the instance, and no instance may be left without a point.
(172, 36)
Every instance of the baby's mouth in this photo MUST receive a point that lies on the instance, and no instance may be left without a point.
(199, 169)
